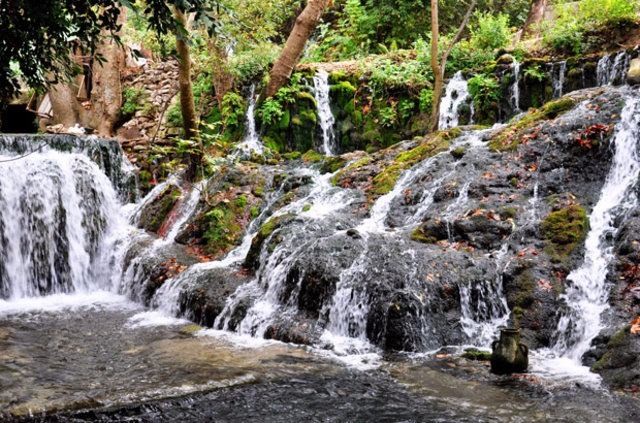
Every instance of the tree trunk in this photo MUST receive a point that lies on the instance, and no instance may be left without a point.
(187, 102)
(102, 110)
(305, 25)
(438, 73)
(223, 80)
(106, 94)
(535, 17)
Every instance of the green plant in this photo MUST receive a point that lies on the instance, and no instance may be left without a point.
(425, 100)
(133, 100)
(600, 13)
(490, 31)
(271, 111)
(406, 107)
(233, 109)
(484, 90)
(535, 73)
(388, 116)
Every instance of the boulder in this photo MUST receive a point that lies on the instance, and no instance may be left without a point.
(633, 75)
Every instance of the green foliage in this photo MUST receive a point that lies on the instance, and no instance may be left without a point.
(566, 35)
(250, 64)
(388, 116)
(271, 111)
(608, 12)
(484, 90)
(425, 100)
(134, 99)
(233, 109)
(388, 73)
(535, 73)
(490, 32)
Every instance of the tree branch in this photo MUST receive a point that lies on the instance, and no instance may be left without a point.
(463, 25)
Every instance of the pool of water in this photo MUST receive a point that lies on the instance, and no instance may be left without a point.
(102, 358)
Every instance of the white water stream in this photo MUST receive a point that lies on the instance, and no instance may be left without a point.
(456, 94)
(327, 121)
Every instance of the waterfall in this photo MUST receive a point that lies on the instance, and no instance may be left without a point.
(180, 215)
(558, 71)
(484, 306)
(515, 87)
(327, 121)
(61, 220)
(612, 70)
(251, 143)
(456, 94)
(587, 289)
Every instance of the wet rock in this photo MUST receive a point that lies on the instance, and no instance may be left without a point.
(633, 75)
(482, 231)
(206, 294)
(153, 216)
(620, 364)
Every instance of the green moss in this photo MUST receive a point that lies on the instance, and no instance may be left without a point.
(526, 285)
(258, 191)
(476, 355)
(358, 164)
(564, 230)
(509, 139)
(294, 155)
(254, 212)
(508, 212)
(312, 156)
(419, 235)
(458, 152)
(162, 208)
(618, 340)
(386, 180)
(332, 164)
(306, 207)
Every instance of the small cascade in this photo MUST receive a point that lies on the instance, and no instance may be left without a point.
(454, 208)
(456, 94)
(612, 68)
(152, 196)
(558, 71)
(60, 224)
(251, 143)
(180, 215)
(327, 121)
(515, 87)
(587, 289)
(484, 306)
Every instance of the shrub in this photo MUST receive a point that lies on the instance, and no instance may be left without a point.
(484, 90)
(133, 100)
(600, 13)
(490, 31)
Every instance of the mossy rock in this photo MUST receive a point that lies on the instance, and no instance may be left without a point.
(312, 156)
(265, 231)
(564, 230)
(384, 181)
(153, 216)
(476, 355)
(332, 164)
(509, 139)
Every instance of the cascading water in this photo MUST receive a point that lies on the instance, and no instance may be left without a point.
(484, 306)
(456, 94)
(587, 291)
(60, 222)
(558, 71)
(325, 115)
(515, 87)
(612, 68)
(251, 143)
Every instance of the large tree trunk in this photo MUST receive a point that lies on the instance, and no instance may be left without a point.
(535, 17)
(187, 102)
(106, 94)
(102, 111)
(305, 25)
(438, 73)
